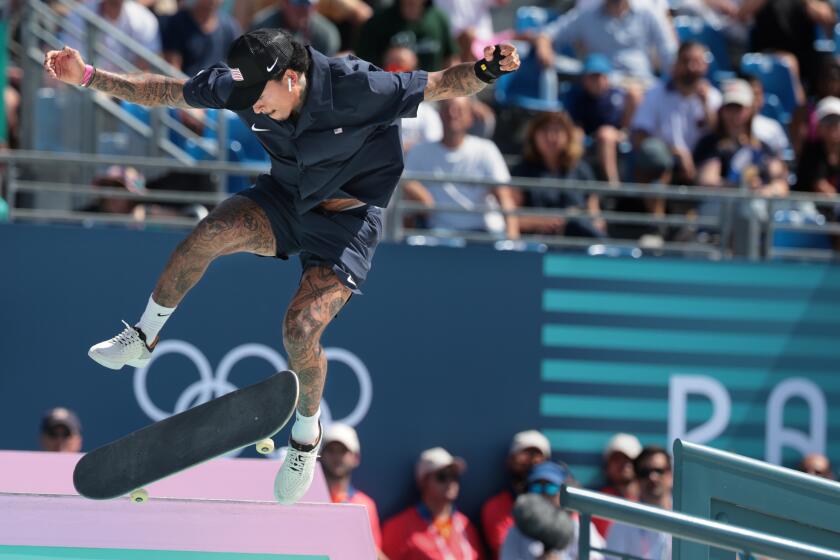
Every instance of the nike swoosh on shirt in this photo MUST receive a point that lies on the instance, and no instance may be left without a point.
(270, 68)
(255, 129)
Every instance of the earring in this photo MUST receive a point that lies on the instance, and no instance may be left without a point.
(290, 85)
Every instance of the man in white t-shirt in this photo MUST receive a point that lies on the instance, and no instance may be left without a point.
(681, 110)
(133, 19)
(459, 154)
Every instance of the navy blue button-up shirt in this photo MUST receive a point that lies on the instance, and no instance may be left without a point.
(345, 141)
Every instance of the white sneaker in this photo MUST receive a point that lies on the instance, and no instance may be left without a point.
(295, 475)
(127, 348)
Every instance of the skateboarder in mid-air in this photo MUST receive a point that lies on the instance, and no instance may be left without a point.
(331, 128)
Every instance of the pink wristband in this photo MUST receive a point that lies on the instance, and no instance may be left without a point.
(88, 75)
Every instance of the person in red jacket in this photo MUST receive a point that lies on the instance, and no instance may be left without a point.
(433, 529)
(340, 456)
(527, 449)
(619, 454)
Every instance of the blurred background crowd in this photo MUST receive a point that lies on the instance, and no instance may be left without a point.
(741, 94)
(523, 520)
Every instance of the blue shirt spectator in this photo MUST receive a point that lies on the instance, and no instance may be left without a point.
(196, 37)
(593, 103)
(625, 32)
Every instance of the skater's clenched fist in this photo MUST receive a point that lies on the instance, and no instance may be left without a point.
(65, 65)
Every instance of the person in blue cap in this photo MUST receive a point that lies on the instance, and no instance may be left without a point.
(331, 127)
(602, 110)
(545, 533)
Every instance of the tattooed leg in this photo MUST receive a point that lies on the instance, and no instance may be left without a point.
(320, 297)
(236, 225)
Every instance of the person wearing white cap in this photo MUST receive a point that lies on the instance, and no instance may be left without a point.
(619, 453)
(732, 156)
(433, 529)
(819, 164)
(528, 448)
(340, 456)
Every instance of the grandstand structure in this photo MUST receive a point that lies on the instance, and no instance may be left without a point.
(226, 155)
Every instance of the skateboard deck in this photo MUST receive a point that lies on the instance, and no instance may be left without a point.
(240, 418)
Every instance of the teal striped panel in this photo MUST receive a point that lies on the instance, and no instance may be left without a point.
(698, 409)
(582, 441)
(580, 371)
(689, 307)
(805, 276)
(656, 340)
(591, 441)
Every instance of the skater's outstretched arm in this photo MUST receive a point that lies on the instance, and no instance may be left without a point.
(462, 79)
(144, 89)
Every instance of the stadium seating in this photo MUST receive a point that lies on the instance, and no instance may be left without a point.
(695, 29)
(776, 78)
(786, 239)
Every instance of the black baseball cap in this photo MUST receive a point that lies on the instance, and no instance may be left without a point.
(254, 58)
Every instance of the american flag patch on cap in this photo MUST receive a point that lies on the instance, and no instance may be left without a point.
(236, 74)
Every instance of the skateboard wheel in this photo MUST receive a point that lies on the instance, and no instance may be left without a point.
(265, 446)
(139, 496)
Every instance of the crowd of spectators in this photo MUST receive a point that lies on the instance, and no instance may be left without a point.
(639, 86)
(525, 520)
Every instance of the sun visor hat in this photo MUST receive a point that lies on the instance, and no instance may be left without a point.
(255, 58)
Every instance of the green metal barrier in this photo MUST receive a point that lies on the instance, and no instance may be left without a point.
(716, 485)
(684, 526)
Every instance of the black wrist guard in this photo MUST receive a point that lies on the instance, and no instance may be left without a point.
(489, 71)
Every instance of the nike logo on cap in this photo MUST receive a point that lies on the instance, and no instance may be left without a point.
(255, 129)
(270, 68)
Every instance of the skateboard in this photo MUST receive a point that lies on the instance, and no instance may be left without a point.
(251, 415)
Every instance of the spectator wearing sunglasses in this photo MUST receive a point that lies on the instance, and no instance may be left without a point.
(527, 449)
(433, 529)
(653, 469)
(546, 479)
(61, 430)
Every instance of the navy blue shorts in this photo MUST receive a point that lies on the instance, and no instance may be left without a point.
(344, 241)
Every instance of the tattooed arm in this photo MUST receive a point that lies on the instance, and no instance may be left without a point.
(145, 89)
(460, 80)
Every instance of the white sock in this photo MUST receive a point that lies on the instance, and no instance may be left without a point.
(305, 430)
(153, 319)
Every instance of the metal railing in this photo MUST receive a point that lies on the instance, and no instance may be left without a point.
(712, 533)
(760, 241)
(754, 494)
(42, 28)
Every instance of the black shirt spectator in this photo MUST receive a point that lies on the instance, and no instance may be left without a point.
(421, 27)
(553, 148)
(819, 164)
(735, 157)
(591, 112)
(791, 26)
(299, 18)
(817, 172)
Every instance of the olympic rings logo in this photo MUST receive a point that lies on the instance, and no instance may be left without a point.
(210, 385)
